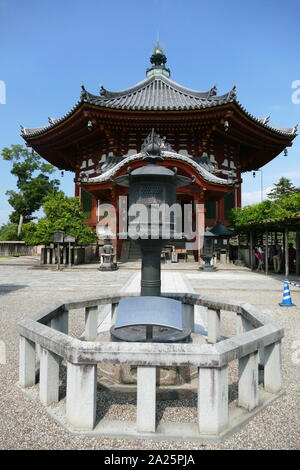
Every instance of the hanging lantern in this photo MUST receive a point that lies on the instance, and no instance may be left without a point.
(226, 126)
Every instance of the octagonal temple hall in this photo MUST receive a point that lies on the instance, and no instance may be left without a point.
(205, 135)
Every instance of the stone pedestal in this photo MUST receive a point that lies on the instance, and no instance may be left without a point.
(107, 263)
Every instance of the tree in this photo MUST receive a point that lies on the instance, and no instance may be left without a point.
(255, 212)
(32, 187)
(8, 232)
(61, 213)
(283, 188)
(282, 207)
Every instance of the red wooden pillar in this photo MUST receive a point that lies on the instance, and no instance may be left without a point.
(238, 190)
(200, 226)
(94, 212)
(114, 203)
(76, 189)
(221, 210)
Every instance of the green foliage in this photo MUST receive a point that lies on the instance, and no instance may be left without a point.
(8, 232)
(32, 187)
(62, 213)
(257, 212)
(282, 207)
(283, 188)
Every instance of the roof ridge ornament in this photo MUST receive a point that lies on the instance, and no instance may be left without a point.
(213, 91)
(152, 147)
(102, 91)
(83, 94)
(233, 93)
(158, 60)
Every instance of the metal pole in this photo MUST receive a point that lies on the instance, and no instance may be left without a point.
(251, 249)
(267, 254)
(70, 264)
(261, 184)
(150, 282)
(149, 333)
(58, 256)
(297, 253)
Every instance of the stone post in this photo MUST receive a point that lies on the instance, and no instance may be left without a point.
(64, 253)
(91, 323)
(48, 255)
(213, 400)
(146, 399)
(188, 316)
(37, 354)
(49, 377)
(113, 312)
(248, 381)
(27, 363)
(75, 255)
(81, 395)
(242, 326)
(272, 373)
(213, 325)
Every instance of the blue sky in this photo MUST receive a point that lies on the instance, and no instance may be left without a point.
(48, 48)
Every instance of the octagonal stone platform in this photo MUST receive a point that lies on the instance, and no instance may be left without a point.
(257, 341)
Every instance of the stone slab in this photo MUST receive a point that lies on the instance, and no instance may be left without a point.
(150, 310)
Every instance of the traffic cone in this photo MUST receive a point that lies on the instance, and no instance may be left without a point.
(286, 300)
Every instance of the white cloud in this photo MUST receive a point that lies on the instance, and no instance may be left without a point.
(254, 197)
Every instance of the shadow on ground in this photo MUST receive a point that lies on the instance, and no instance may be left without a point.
(7, 288)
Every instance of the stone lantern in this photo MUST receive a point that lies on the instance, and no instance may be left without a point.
(152, 193)
(153, 187)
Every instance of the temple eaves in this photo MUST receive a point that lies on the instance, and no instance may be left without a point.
(158, 93)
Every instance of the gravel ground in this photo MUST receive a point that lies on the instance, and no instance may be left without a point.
(24, 424)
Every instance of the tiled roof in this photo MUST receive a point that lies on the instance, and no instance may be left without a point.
(157, 93)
